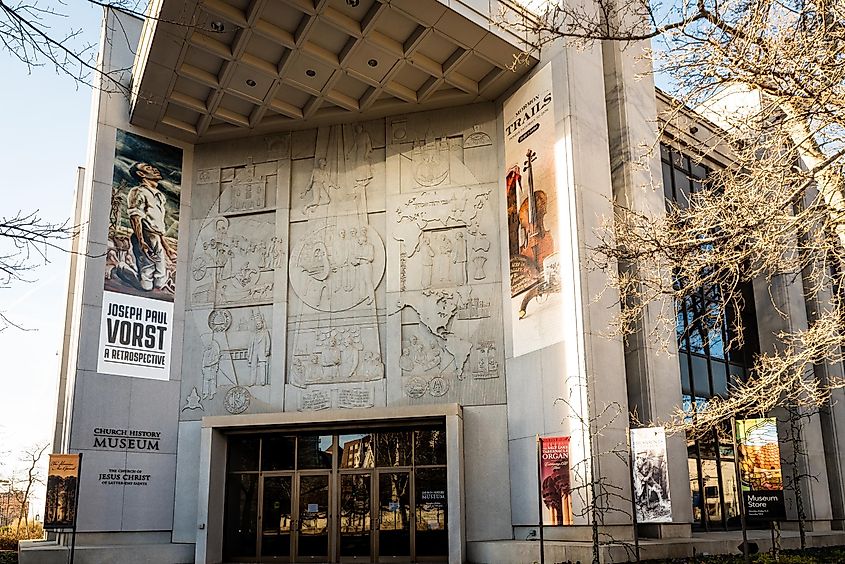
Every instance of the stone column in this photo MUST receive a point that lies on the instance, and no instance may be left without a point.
(781, 307)
(651, 361)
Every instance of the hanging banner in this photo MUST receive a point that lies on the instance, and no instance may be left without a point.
(760, 471)
(62, 490)
(137, 320)
(554, 481)
(533, 219)
(651, 475)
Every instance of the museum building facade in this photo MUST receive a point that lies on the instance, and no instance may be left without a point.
(331, 289)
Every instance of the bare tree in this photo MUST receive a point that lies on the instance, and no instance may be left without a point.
(25, 241)
(24, 479)
(599, 497)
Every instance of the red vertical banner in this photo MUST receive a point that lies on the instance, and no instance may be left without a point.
(554, 481)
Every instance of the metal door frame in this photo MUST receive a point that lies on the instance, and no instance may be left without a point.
(371, 473)
(260, 528)
(330, 519)
(377, 473)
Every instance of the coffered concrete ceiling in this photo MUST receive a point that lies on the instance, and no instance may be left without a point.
(218, 69)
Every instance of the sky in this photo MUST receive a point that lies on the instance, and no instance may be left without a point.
(44, 124)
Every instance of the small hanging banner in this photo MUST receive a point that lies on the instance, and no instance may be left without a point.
(651, 475)
(62, 490)
(760, 471)
(554, 481)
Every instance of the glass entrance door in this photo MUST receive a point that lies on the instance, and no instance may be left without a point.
(372, 497)
(312, 531)
(355, 517)
(276, 518)
(394, 516)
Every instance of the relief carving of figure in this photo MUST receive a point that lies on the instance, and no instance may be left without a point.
(372, 366)
(318, 187)
(221, 247)
(443, 259)
(211, 355)
(460, 259)
(277, 252)
(361, 151)
(363, 263)
(350, 355)
(406, 361)
(316, 266)
(330, 360)
(427, 260)
(480, 247)
(258, 354)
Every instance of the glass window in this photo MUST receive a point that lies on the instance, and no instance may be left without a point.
(431, 511)
(356, 451)
(430, 446)
(695, 492)
(686, 386)
(700, 379)
(393, 448)
(720, 378)
(241, 523)
(730, 492)
(278, 452)
(737, 373)
(243, 453)
(667, 182)
(315, 451)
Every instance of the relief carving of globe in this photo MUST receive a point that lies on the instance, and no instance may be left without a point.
(337, 266)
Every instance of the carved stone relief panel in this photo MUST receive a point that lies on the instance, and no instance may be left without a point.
(445, 148)
(336, 268)
(248, 188)
(343, 173)
(234, 259)
(451, 348)
(231, 362)
(444, 295)
(337, 264)
(444, 238)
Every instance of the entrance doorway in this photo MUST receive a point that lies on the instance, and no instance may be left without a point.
(377, 496)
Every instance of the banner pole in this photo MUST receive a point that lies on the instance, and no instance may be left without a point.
(745, 554)
(633, 495)
(76, 511)
(540, 495)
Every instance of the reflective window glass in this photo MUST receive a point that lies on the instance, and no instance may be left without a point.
(393, 448)
(430, 446)
(241, 520)
(431, 510)
(720, 378)
(699, 376)
(278, 452)
(243, 453)
(314, 451)
(356, 451)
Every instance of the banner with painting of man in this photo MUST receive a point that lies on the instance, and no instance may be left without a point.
(140, 274)
(651, 475)
(555, 486)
